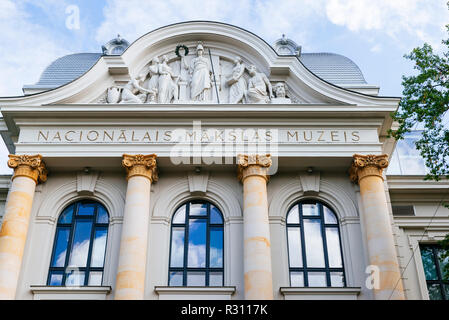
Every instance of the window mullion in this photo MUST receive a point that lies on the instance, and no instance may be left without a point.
(303, 246)
(186, 241)
(326, 254)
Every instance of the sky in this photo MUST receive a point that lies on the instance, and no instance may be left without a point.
(375, 34)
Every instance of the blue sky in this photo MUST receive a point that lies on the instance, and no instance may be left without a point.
(375, 34)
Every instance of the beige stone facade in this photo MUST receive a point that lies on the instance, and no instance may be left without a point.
(323, 150)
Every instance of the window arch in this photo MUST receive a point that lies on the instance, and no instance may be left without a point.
(314, 246)
(80, 245)
(196, 245)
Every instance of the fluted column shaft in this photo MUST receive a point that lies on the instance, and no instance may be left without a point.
(258, 278)
(367, 171)
(133, 247)
(28, 172)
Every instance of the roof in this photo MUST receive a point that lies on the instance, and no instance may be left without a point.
(66, 69)
(334, 68)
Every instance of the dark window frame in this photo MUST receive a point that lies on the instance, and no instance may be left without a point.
(95, 226)
(185, 268)
(304, 269)
(442, 283)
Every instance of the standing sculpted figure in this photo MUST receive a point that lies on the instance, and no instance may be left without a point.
(168, 83)
(259, 87)
(153, 84)
(200, 82)
(131, 92)
(236, 82)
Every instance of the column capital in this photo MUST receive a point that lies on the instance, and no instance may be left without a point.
(254, 164)
(140, 165)
(32, 167)
(367, 165)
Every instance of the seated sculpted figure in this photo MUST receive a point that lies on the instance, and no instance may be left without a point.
(259, 87)
(133, 92)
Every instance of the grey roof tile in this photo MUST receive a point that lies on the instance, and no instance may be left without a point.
(334, 68)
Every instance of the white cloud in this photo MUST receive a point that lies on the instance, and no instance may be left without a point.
(26, 48)
(423, 19)
(269, 19)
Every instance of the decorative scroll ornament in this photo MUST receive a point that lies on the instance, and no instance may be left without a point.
(28, 166)
(141, 165)
(368, 165)
(254, 164)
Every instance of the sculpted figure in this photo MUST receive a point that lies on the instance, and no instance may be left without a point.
(200, 83)
(236, 82)
(168, 83)
(153, 84)
(279, 90)
(259, 87)
(131, 92)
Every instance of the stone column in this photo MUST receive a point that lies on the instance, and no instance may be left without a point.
(141, 172)
(367, 172)
(28, 172)
(256, 228)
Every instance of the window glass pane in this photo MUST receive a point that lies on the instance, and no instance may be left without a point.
(62, 238)
(310, 210)
(429, 263)
(216, 248)
(175, 279)
(314, 243)
(215, 215)
(294, 247)
(99, 247)
(296, 279)
(434, 292)
(329, 216)
(66, 215)
(74, 278)
(337, 279)
(198, 209)
(333, 247)
(444, 264)
(197, 243)
(180, 215)
(196, 278)
(177, 247)
(80, 247)
(293, 215)
(55, 279)
(86, 208)
(317, 279)
(215, 279)
(102, 214)
(446, 290)
(95, 278)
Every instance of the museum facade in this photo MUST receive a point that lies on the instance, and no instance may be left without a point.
(199, 162)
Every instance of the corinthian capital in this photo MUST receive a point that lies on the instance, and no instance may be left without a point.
(369, 165)
(253, 164)
(28, 166)
(141, 165)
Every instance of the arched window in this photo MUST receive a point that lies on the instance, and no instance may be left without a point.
(196, 250)
(314, 250)
(80, 245)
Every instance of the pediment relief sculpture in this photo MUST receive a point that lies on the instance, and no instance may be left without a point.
(198, 78)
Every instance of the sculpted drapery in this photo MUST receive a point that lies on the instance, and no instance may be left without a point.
(200, 83)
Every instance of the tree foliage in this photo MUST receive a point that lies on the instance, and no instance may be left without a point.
(425, 102)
